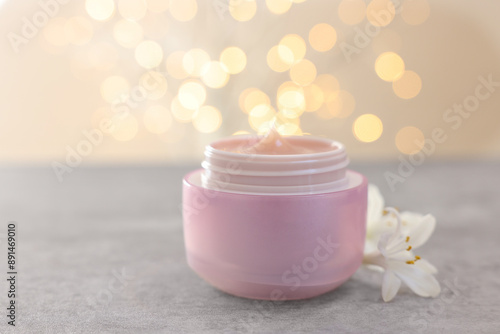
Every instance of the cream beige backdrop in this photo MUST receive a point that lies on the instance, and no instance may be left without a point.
(135, 81)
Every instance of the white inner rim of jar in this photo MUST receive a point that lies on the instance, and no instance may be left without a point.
(308, 173)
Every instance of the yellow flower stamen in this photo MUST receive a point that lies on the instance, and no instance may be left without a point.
(385, 212)
(417, 258)
(409, 248)
(410, 262)
(407, 238)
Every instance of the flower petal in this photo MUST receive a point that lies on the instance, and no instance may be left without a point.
(426, 266)
(383, 242)
(410, 219)
(396, 235)
(374, 267)
(370, 246)
(403, 256)
(375, 206)
(422, 231)
(398, 245)
(395, 242)
(390, 286)
(418, 280)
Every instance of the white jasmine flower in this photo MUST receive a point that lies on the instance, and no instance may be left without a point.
(378, 222)
(395, 243)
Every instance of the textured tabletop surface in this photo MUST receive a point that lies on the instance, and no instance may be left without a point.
(102, 252)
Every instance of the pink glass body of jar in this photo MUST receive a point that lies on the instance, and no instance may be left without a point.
(275, 243)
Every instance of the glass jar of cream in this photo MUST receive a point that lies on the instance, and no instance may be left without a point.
(275, 218)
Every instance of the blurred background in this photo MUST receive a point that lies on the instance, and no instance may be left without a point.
(102, 82)
(118, 98)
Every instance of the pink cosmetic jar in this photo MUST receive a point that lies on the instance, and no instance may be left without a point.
(275, 226)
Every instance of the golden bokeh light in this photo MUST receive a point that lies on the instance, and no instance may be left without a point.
(132, 9)
(241, 132)
(289, 129)
(261, 115)
(155, 84)
(128, 33)
(333, 104)
(275, 61)
(124, 127)
(157, 119)
(314, 97)
(367, 128)
(234, 59)
(415, 12)
(242, 10)
(197, 71)
(389, 66)
(266, 127)
(380, 12)
(78, 30)
(183, 10)
(291, 96)
(292, 113)
(409, 140)
(341, 105)
(282, 118)
(157, 6)
(408, 85)
(293, 43)
(115, 89)
(148, 54)
(207, 119)
(54, 32)
(252, 97)
(324, 113)
(303, 72)
(180, 113)
(387, 40)
(174, 65)
(100, 10)
(329, 85)
(352, 12)
(286, 54)
(214, 74)
(194, 60)
(192, 95)
(243, 96)
(322, 37)
(284, 125)
(330, 88)
(278, 6)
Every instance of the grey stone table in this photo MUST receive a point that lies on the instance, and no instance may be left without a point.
(102, 252)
